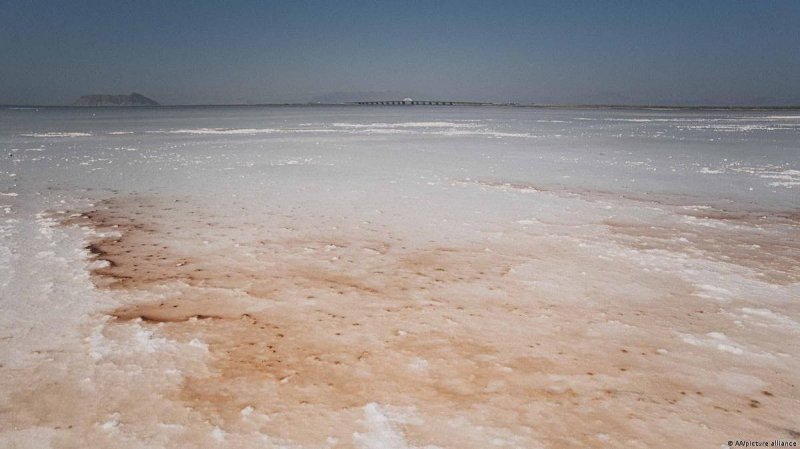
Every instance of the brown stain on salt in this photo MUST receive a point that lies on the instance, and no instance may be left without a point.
(335, 335)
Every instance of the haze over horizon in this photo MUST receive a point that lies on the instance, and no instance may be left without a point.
(677, 53)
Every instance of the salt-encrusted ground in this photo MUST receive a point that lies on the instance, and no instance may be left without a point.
(398, 278)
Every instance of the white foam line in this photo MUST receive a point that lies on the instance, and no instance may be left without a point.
(406, 125)
(58, 134)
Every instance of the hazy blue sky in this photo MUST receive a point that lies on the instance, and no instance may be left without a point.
(182, 52)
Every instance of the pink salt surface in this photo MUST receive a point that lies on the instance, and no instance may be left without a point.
(287, 332)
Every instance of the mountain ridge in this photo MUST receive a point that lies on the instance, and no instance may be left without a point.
(96, 100)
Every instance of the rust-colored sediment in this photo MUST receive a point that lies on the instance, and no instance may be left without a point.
(307, 328)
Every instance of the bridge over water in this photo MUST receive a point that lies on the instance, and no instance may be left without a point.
(410, 102)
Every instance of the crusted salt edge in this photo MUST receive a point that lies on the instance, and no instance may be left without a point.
(218, 434)
(381, 428)
(716, 340)
(141, 340)
(196, 343)
(113, 422)
(787, 178)
(770, 315)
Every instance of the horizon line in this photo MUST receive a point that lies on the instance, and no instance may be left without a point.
(460, 103)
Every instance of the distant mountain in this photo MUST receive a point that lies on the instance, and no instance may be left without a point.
(133, 99)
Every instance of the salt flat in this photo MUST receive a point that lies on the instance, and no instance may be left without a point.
(398, 277)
